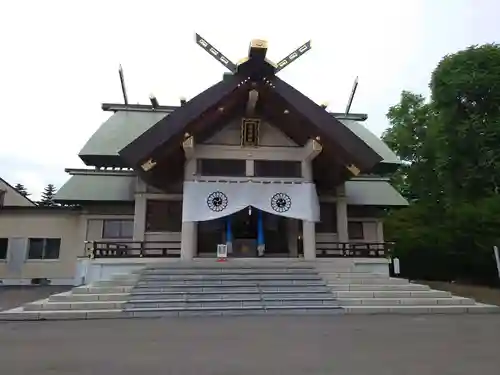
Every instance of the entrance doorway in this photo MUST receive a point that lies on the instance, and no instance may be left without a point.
(244, 227)
(244, 231)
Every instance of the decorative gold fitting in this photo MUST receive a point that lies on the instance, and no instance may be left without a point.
(148, 165)
(258, 43)
(353, 169)
(243, 60)
(316, 146)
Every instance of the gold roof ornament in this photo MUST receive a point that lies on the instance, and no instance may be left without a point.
(257, 50)
(148, 165)
(258, 43)
(353, 169)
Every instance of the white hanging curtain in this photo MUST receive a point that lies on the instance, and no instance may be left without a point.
(204, 201)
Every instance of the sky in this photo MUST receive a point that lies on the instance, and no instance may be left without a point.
(59, 60)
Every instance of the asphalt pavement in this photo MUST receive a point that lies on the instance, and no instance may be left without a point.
(347, 345)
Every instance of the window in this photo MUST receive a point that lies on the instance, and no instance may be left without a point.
(118, 229)
(222, 167)
(2, 197)
(44, 248)
(278, 168)
(163, 216)
(355, 229)
(328, 218)
(4, 244)
(363, 211)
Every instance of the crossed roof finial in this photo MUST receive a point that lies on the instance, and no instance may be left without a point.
(257, 51)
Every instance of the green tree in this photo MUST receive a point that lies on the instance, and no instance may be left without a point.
(48, 196)
(465, 90)
(412, 136)
(21, 189)
(451, 171)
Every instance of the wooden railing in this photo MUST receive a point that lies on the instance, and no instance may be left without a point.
(172, 249)
(133, 249)
(327, 249)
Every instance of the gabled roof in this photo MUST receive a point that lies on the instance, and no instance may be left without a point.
(332, 132)
(86, 185)
(13, 198)
(373, 192)
(390, 161)
(173, 127)
(204, 114)
(115, 134)
(91, 188)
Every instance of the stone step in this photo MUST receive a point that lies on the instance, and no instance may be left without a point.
(227, 295)
(228, 271)
(115, 283)
(92, 289)
(331, 269)
(69, 297)
(19, 314)
(421, 309)
(392, 294)
(230, 310)
(221, 267)
(351, 275)
(159, 278)
(227, 283)
(256, 302)
(125, 276)
(60, 306)
(223, 288)
(405, 301)
(376, 281)
(378, 287)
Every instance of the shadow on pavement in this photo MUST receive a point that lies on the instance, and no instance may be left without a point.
(14, 296)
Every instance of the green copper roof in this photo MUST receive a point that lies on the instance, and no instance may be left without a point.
(123, 127)
(118, 131)
(121, 188)
(97, 188)
(373, 193)
(373, 141)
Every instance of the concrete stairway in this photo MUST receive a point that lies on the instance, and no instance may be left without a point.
(371, 293)
(245, 287)
(195, 288)
(230, 289)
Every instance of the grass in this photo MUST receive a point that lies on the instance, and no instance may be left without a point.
(481, 294)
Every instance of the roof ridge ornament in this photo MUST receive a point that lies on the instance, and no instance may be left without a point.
(293, 56)
(215, 53)
(122, 83)
(351, 97)
(256, 60)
